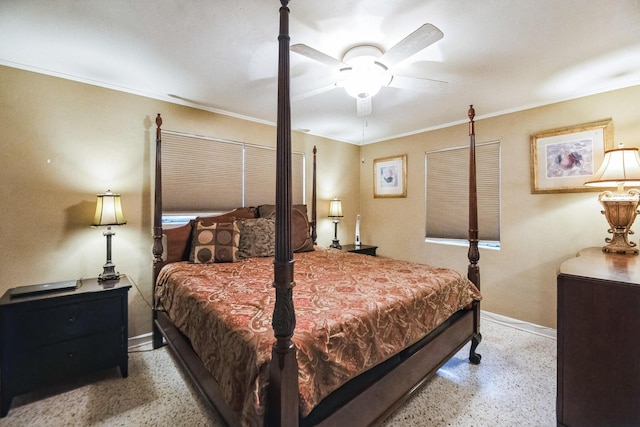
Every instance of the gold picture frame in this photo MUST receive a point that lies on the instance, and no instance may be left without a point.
(563, 159)
(390, 176)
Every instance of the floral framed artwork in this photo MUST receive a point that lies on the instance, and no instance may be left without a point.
(390, 176)
(563, 159)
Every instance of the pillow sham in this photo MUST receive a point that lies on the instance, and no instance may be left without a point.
(230, 216)
(213, 243)
(257, 237)
(180, 239)
(265, 211)
(301, 240)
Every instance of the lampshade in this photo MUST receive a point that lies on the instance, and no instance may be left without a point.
(108, 210)
(335, 208)
(620, 167)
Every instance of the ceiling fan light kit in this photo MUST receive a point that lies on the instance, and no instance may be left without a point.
(364, 68)
(365, 76)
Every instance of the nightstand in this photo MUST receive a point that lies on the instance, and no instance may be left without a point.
(598, 369)
(361, 249)
(50, 336)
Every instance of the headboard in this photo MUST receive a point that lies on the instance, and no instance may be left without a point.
(177, 243)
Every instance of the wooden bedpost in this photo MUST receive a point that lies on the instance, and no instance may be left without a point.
(157, 204)
(473, 272)
(157, 224)
(283, 396)
(314, 223)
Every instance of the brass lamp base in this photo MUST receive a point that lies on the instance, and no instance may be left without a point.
(335, 244)
(620, 209)
(109, 269)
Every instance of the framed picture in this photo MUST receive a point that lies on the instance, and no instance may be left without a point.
(390, 176)
(563, 159)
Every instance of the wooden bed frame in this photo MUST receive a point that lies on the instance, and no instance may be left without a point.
(367, 399)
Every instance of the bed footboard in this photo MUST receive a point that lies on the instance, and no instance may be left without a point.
(373, 396)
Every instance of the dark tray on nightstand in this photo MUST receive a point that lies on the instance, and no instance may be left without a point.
(361, 249)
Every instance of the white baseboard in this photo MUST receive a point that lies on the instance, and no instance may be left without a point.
(140, 340)
(519, 324)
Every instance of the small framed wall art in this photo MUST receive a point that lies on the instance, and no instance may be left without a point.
(390, 176)
(563, 159)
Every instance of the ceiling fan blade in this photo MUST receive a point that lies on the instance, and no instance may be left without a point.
(424, 36)
(363, 106)
(415, 83)
(316, 55)
(310, 93)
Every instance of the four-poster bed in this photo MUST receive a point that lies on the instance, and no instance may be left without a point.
(220, 318)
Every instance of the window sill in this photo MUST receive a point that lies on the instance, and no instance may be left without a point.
(484, 244)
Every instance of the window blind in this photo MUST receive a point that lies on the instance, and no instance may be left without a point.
(203, 174)
(447, 192)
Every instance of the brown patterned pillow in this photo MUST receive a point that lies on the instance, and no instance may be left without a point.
(301, 240)
(257, 238)
(217, 242)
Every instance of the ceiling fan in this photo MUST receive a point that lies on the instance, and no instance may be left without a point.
(365, 69)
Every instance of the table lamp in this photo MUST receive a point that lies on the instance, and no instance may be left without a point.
(108, 213)
(620, 168)
(335, 212)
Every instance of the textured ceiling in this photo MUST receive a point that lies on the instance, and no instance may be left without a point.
(500, 55)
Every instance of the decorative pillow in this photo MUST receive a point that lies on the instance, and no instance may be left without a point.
(217, 242)
(228, 216)
(266, 211)
(257, 238)
(301, 240)
(178, 247)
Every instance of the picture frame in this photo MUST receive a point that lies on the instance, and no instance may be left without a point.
(563, 159)
(390, 176)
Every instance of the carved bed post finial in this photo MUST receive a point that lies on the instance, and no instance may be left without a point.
(471, 114)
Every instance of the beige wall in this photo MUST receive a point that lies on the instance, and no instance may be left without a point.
(63, 142)
(538, 231)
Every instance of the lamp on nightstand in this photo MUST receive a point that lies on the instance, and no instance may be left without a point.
(108, 213)
(335, 212)
(620, 168)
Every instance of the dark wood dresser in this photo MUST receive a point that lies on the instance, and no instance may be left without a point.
(52, 336)
(599, 340)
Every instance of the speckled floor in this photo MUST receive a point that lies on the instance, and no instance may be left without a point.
(514, 386)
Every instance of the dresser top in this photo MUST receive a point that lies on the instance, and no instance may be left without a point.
(593, 263)
(84, 286)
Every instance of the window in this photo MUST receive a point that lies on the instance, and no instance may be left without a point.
(201, 174)
(447, 194)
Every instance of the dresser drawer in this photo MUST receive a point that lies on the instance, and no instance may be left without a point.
(43, 326)
(65, 360)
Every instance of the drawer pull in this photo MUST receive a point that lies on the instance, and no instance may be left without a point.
(71, 319)
(69, 355)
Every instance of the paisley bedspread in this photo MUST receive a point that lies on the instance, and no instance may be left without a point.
(352, 312)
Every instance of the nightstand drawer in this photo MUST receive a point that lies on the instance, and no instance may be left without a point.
(63, 360)
(38, 327)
